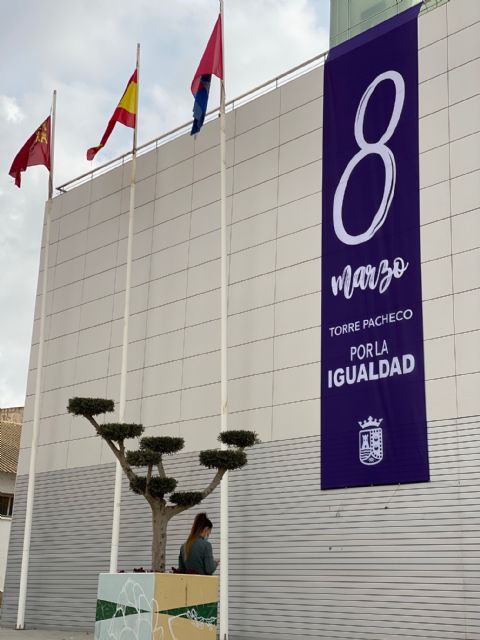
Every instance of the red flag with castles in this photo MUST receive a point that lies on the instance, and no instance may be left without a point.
(35, 151)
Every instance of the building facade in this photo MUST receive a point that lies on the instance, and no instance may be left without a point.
(383, 563)
(10, 432)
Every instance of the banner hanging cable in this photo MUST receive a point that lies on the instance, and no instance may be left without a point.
(22, 597)
(126, 318)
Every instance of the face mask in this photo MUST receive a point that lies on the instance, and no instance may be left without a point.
(206, 538)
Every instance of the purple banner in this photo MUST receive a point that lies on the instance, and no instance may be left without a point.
(373, 383)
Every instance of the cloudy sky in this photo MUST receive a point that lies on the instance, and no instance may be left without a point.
(86, 51)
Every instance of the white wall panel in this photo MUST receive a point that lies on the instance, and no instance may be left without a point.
(300, 121)
(252, 262)
(256, 141)
(300, 214)
(467, 351)
(432, 27)
(258, 199)
(437, 278)
(465, 155)
(297, 313)
(435, 202)
(464, 45)
(172, 179)
(434, 130)
(433, 95)
(173, 205)
(466, 192)
(438, 317)
(434, 166)
(464, 81)
(252, 231)
(300, 151)
(251, 325)
(302, 90)
(432, 60)
(435, 240)
(264, 108)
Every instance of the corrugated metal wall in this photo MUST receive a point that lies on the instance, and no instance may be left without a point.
(383, 563)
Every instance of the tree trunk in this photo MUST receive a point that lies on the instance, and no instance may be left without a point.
(159, 538)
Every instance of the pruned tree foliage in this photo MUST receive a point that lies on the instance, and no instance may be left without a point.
(186, 498)
(143, 458)
(240, 438)
(119, 432)
(162, 444)
(154, 484)
(90, 406)
(230, 459)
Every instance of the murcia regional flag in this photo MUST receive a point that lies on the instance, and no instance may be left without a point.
(125, 113)
(35, 151)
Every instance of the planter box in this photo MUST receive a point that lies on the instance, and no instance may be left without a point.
(156, 606)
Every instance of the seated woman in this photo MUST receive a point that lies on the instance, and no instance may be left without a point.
(196, 554)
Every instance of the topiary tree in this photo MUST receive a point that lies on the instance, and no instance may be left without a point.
(154, 487)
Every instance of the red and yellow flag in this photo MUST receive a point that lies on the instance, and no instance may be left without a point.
(35, 151)
(125, 113)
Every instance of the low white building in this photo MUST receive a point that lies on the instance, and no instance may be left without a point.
(10, 431)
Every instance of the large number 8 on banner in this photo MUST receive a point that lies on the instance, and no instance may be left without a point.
(371, 148)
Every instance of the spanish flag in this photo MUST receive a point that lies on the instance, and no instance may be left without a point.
(36, 150)
(125, 113)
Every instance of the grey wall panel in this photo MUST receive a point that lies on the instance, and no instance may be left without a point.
(383, 563)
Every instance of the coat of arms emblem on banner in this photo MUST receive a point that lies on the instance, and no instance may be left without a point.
(371, 441)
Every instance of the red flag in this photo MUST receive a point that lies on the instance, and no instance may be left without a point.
(125, 113)
(212, 59)
(35, 151)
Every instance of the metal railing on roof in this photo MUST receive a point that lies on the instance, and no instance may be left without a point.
(428, 5)
(258, 91)
(183, 129)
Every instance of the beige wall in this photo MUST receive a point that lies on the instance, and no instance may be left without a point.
(11, 414)
(7, 482)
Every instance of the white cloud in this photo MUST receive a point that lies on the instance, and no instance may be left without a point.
(86, 51)
(9, 109)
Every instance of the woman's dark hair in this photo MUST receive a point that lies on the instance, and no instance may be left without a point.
(200, 523)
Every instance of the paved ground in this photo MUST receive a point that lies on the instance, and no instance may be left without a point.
(30, 634)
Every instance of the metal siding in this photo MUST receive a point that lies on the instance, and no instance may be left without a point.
(387, 563)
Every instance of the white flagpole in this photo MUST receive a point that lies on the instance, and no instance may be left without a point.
(126, 317)
(22, 596)
(223, 350)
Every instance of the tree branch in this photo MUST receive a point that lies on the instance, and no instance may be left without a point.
(214, 483)
(118, 453)
(120, 456)
(92, 421)
(173, 511)
(149, 476)
(161, 469)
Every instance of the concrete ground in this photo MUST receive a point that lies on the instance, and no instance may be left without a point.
(35, 634)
